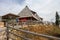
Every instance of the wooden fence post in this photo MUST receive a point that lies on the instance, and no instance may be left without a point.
(7, 31)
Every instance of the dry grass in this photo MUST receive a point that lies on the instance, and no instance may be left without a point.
(42, 29)
(38, 28)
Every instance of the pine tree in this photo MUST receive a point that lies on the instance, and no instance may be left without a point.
(57, 19)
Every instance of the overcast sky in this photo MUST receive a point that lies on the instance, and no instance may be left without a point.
(44, 8)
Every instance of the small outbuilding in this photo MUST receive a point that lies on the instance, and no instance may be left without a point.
(9, 18)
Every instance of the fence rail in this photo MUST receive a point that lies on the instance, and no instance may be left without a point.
(36, 34)
(28, 32)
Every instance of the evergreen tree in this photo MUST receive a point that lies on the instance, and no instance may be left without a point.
(57, 19)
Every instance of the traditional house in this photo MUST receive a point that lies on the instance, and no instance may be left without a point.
(9, 18)
(28, 15)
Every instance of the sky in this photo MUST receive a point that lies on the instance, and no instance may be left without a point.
(44, 8)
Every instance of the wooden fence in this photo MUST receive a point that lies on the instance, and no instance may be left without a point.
(14, 31)
(20, 34)
(11, 32)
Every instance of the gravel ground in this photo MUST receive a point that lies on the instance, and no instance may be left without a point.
(2, 33)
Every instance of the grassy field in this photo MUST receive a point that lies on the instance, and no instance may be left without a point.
(42, 29)
(38, 28)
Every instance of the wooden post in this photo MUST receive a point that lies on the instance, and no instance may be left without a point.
(7, 31)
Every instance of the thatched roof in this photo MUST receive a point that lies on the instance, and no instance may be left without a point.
(26, 12)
